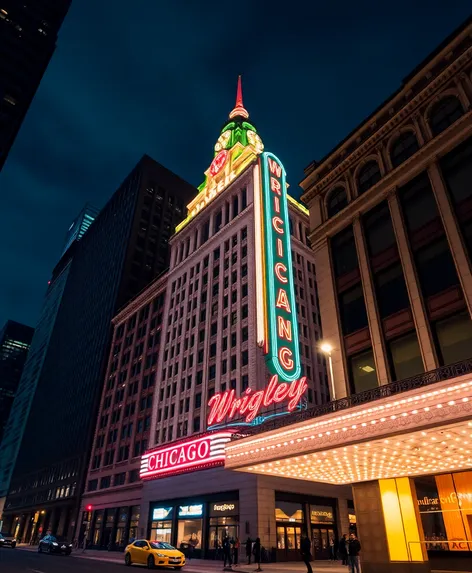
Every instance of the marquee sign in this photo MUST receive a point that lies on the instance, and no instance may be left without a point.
(225, 406)
(277, 328)
(190, 455)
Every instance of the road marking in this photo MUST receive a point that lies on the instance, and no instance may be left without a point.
(36, 571)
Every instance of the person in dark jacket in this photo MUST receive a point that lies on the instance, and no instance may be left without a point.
(248, 550)
(353, 549)
(256, 551)
(227, 552)
(343, 549)
(305, 547)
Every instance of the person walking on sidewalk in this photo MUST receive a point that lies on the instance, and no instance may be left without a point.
(305, 547)
(236, 546)
(343, 549)
(353, 549)
(248, 550)
(256, 551)
(227, 552)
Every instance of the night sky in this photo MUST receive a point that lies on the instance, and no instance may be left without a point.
(156, 77)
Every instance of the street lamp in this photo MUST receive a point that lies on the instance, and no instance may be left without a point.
(326, 348)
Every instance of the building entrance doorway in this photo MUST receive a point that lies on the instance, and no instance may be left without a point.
(289, 537)
(322, 537)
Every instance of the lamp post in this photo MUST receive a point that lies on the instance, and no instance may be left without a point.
(326, 348)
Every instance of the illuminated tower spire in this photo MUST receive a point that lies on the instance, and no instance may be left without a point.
(239, 109)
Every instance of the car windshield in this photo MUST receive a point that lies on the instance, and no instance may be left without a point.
(160, 545)
(51, 538)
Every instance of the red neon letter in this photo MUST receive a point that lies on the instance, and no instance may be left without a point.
(297, 389)
(254, 405)
(280, 248)
(270, 390)
(274, 167)
(276, 223)
(285, 328)
(281, 392)
(279, 269)
(275, 186)
(285, 357)
(219, 406)
(282, 300)
(276, 204)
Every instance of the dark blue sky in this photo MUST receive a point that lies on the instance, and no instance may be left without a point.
(159, 77)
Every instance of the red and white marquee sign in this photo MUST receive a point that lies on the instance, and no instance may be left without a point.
(190, 455)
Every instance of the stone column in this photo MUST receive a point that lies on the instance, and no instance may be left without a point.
(248, 513)
(62, 520)
(342, 517)
(423, 331)
(458, 251)
(266, 527)
(375, 327)
(329, 314)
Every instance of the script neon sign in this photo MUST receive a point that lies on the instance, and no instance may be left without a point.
(190, 455)
(225, 405)
(277, 328)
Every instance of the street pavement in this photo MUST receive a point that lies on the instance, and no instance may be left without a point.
(26, 559)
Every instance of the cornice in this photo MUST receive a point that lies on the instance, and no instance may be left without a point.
(370, 144)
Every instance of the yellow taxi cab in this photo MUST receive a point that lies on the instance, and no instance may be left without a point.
(154, 554)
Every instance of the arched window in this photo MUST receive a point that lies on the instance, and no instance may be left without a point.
(368, 176)
(403, 148)
(444, 113)
(337, 200)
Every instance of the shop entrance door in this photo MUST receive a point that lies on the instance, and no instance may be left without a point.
(321, 541)
(288, 542)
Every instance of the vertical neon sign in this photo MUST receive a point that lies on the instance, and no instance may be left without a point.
(277, 328)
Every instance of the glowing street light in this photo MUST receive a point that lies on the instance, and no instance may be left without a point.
(326, 348)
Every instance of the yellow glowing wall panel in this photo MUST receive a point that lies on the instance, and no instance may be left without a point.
(410, 519)
(393, 520)
(450, 511)
(463, 483)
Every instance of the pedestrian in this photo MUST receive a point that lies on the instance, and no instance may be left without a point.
(256, 551)
(343, 549)
(305, 547)
(236, 546)
(353, 549)
(332, 549)
(248, 550)
(227, 552)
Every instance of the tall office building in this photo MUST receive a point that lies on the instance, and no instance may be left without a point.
(15, 340)
(28, 35)
(122, 251)
(391, 219)
(80, 225)
(175, 356)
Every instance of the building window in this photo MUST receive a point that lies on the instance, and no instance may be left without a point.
(436, 268)
(444, 113)
(336, 201)
(352, 310)
(92, 485)
(343, 252)
(454, 338)
(105, 482)
(404, 147)
(390, 287)
(362, 371)
(368, 176)
(405, 357)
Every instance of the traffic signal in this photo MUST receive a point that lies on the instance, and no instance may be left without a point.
(89, 508)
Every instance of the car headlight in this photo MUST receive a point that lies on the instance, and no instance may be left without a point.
(161, 555)
(70, 544)
(55, 544)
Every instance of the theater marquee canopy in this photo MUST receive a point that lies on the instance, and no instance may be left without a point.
(414, 433)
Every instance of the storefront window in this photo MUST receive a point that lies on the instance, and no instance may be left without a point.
(445, 506)
(190, 527)
(288, 511)
(161, 527)
(223, 521)
(133, 527)
(97, 527)
(120, 537)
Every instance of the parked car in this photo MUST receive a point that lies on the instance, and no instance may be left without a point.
(154, 554)
(51, 544)
(7, 541)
